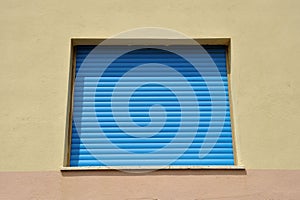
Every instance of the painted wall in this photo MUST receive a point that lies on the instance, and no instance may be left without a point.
(35, 56)
(159, 185)
(35, 41)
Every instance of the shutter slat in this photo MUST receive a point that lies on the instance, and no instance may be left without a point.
(165, 129)
(143, 119)
(170, 124)
(82, 114)
(149, 145)
(144, 135)
(146, 150)
(156, 162)
(145, 156)
(167, 151)
(145, 140)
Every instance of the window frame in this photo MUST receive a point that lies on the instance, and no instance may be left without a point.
(71, 80)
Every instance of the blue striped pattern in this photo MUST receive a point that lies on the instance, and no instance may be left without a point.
(92, 91)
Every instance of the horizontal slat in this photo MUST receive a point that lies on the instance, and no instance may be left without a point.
(150, 73)
(153, 48)
(148, 156)
(176, 85)
(154, 124)
(210, 48)
(156, 162)
(213, 150)
(130, 51)
(142, 109)
(143, 126)
(79, 96)
(173, 61)
(149, 145)
(98, 91)
(198, 89)
(133, 100)
(159, 135)
(142, 101)
(151, 58)
(113, 53)
(147, 140)
(193, 58)
(136, 106)
(92, 93)
(145, 119)
(210, 80)
(154, 129)
(111, 74)
(79, 113)
(119, 67)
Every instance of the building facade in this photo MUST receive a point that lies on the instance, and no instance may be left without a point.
(37, 41)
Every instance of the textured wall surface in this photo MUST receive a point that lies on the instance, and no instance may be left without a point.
(35, 56)
(159, 185)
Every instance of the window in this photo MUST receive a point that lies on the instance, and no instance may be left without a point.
(150, 106)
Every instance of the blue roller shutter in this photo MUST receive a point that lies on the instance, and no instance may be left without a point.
(94, 94)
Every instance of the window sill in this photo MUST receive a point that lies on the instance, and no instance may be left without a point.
(103, 168)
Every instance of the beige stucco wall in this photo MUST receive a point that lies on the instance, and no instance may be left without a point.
(35, 56)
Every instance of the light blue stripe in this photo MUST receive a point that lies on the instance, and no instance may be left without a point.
(180, 162)
(143, 151)
(148, 145)
(167, 124)
(147, 156)
(80, 113)
(161, 135)
(146, 140)
(143, 119)
(136, 109)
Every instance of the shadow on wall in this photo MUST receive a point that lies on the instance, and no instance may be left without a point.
(182, 172)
